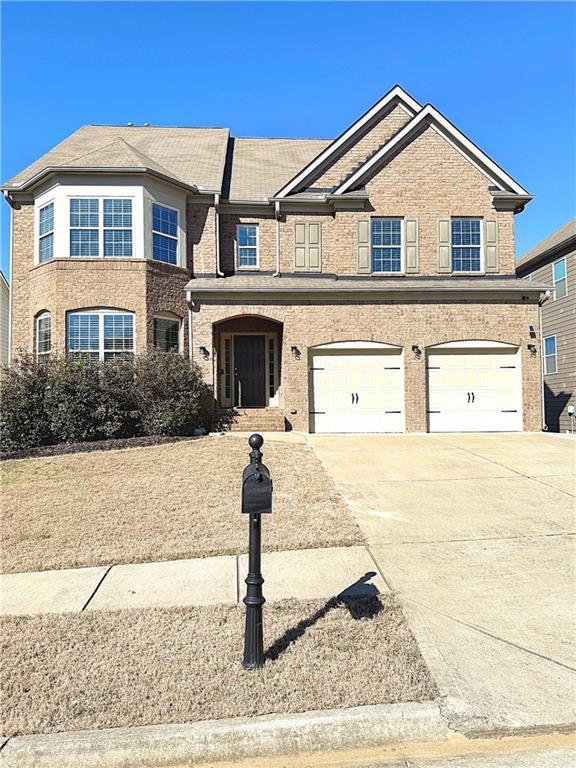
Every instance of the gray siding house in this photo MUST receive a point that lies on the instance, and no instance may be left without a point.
(553, 261)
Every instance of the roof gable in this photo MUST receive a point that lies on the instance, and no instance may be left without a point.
(429, 115)
(395, 96)
(117, 154)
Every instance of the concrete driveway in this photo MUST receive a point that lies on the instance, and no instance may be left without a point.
(475, 533)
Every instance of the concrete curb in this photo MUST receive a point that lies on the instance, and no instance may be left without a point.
(166, 746)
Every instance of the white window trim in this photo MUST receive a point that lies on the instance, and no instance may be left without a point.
(482, 269)
(402, 270)
(174, 318)
(565, 278)
(52, 231)
(100, 228)
(163, 234)
(101, 312)
(42, 316)
(237, 259)
(545, 356)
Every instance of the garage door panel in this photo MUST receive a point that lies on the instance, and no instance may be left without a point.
(474, 391)
(357, 391)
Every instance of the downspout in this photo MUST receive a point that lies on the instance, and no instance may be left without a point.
(541, 301)
(277, 216)
(190, 348)
(219, 272)
(10, 277)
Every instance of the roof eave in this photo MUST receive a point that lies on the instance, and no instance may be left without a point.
(565, 245)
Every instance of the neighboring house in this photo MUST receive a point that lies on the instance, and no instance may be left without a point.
(4, 318)
(362, 284)
(553, 261)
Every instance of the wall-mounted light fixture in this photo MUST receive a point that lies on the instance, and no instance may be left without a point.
(532, 348)
(417, 351)
(205, 353)
(295, 352)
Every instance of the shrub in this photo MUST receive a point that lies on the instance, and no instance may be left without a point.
(23, 419)
(74, 400)
(170, 394)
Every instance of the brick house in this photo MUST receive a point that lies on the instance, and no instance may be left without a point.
(362, 284)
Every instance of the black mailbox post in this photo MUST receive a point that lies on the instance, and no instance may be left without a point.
(256, 500)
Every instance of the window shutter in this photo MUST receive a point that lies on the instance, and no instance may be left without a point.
(314, 246)
(300, 246)
(364, 265)
(411, 246)
(491, 245)
(444, 249)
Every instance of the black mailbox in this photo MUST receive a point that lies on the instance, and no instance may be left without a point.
(256, 490)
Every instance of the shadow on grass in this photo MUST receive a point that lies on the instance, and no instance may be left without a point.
(360, 598)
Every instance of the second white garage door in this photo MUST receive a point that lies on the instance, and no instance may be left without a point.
(357, 390)
(474, 389)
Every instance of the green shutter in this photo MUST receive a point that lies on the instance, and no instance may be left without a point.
(491, 245)
(364, 265)
(300, 246)
(444, 249)
(411, 246)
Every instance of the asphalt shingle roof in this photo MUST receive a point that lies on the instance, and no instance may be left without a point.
(554, 240)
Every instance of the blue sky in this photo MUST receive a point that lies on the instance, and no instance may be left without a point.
(504, 73)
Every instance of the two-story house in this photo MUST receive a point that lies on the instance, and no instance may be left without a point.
(553, 261)
(361, 284)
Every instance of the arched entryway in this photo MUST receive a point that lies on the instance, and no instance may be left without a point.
(249, 349)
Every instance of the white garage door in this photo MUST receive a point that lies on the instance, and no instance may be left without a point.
(474, 390)
(357, 390)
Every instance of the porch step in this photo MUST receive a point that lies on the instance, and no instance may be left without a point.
(254, 419)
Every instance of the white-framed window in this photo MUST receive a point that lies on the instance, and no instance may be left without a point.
(387, 239)
(43, 335)
(247, 251)
(100, 227)
(167, 333)
(550, 357)
(46, 233)
(466, 241)
(100, 334)
(164, 233)
(560, 278)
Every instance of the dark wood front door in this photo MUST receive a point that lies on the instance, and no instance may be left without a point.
(249, 371)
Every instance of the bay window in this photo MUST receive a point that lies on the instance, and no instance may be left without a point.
(167, 334)
(43, 335)
(100, 334)
(100, 227)
(46, 233)
(164, 234)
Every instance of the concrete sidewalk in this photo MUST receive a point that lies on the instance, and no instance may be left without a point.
(308, 573)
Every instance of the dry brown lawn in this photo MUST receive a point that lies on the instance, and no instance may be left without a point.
(127, 668)
(162, 503)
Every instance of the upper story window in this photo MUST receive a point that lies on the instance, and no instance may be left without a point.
(466, 245)
(100, 227)
(46, 233)
(164, 233)
(167, 334)
(247, 239)
(43, 335)
(386, 241)
(550, 359)
(100, 334)
(559, 278)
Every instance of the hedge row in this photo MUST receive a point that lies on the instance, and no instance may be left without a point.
(65, 400)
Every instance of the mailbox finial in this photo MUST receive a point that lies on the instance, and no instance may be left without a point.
(255, 442)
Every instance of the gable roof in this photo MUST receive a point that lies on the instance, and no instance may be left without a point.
(430, 115)
(563, 237)
(193, 156)
(395, 95)
(260, 166)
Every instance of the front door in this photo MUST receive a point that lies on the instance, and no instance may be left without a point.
(249, 371)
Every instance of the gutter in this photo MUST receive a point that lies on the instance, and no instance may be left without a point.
(219, 272)
(277, 217)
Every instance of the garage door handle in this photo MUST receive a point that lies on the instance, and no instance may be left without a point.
(356, 398)
(468, 393)
(473, 397)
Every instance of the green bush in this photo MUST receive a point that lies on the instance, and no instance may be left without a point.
(24, 422)
(74, 400)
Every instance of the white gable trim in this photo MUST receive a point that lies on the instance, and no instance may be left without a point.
(408, 104)
(468, 149)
